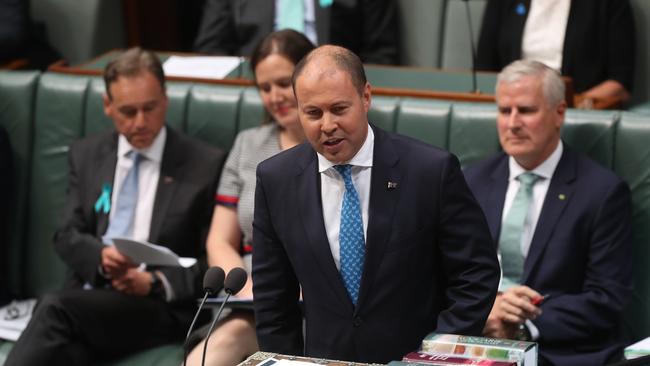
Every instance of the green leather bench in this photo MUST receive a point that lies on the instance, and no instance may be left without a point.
(44, 113)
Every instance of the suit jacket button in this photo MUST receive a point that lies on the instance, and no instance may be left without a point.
(357, 322)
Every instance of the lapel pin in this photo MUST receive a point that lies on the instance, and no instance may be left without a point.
(561, 197)
(392, 185)
(167, 179)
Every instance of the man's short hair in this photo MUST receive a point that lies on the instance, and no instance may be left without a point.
(552, 83)
(344, 59)
(131, 63)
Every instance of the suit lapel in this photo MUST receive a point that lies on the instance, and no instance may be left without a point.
(381, 209)
(497, 197)
(106, 160)
(308, 196)
(167, 183)
(557, 199)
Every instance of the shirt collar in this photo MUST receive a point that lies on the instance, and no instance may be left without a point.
(153, 152)
(362, 158)
(544, 170)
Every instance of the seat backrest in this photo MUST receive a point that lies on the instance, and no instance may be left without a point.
(17, 94)
(592, 133)
(631, 158)
(59, 120)
(472, 132)
(425, 120)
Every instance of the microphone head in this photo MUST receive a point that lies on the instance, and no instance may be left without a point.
(213, 280)
(235, 280)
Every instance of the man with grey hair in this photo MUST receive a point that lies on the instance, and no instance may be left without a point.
(142, 181)
(562, 224)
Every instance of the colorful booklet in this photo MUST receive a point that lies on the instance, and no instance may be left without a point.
(445, 360)
(523, 353)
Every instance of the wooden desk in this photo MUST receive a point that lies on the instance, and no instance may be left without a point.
(396, 81)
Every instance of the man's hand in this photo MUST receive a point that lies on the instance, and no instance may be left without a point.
(511, 308)
(495, 327)
(114, 263)
(134, 282)
(515, 305)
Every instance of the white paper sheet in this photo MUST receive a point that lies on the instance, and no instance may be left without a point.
(151, 254)
(205, 67)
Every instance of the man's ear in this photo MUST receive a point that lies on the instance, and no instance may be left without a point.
(367, 97)
(108, 105)
(561, 112)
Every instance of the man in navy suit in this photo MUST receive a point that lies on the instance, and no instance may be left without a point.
(379, 231)
(570, 246)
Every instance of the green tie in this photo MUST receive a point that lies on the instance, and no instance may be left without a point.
(512, 261)
(291, 14)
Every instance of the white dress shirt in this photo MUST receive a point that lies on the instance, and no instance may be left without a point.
(333, 189)
(543, 37)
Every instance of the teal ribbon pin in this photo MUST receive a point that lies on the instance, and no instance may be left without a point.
(325, 3)
(104, 201)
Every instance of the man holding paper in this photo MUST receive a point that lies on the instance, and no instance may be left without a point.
(142, 181)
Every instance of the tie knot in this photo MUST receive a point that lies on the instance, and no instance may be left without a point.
(528, 179)
(345, 171)
(134, 156)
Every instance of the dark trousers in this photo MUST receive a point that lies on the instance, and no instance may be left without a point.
(80, 327)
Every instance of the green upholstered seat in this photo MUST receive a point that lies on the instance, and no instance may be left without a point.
(631, 162)
(59, 120)
(383, 111)
(592, 133)
(425, 120)
(212, 113)
(472, 133)
(251, 111)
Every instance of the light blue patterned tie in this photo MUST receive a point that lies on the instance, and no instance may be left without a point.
(512, 260)
(121, 224)
(291, 14)
(351, 241)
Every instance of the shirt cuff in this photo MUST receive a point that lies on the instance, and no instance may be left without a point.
(534, 332)
(169, 292)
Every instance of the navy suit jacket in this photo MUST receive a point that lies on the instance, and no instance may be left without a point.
(430, 263)
(580, 254)
(367, 27)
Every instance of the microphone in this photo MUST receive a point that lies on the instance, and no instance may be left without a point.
(235, 281)
(212, 284)
(472, 46)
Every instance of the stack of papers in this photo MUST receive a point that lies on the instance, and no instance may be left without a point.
(14, 318)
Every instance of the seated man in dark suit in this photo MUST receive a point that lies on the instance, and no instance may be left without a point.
(143, 181)
(367, 27)
(379, 231)
(562, 223)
